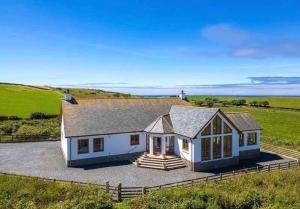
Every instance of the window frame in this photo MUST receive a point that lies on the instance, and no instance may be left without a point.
(224, 146)
(134, 139)
(219, 156)
(206, 158)
(79, 141)
(249, 138)
(185, 145)
(101, 149)
(241, 139)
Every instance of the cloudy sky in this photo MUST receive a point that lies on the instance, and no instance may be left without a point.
(153, 47)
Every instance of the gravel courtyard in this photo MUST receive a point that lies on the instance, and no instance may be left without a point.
(44, 159)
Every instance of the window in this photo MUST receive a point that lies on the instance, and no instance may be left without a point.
(217, 125)
(227, 152)
(251, 138)
(206, 131)
(241, 140)
(185, 144)
(83, 146)
(98, 144)
(135, 139)
(227, 129)
(217, 147)
(205, 149)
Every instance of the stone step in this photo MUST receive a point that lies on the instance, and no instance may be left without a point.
(168, 163)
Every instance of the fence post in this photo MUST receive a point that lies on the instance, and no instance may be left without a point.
(257, 169)
(119, 192)
(143, 190)
(192, 182)
(269, 168)
(221, 176)
(289, 164)
(107, 187)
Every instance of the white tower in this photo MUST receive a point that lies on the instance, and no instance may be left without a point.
(182, 95)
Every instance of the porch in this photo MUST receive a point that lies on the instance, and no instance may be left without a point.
(160, 153)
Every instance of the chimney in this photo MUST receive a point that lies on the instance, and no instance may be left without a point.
(182, 95)
(67, 96)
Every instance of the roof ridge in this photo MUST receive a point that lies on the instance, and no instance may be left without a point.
(115, 98)
(191, 106)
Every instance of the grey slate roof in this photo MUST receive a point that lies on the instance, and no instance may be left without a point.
(110, 116)
(188, 121)
(162, 125)
(243, 121)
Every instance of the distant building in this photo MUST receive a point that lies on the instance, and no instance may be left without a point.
(161, 133)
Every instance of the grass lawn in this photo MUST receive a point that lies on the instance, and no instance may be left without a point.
(287, 102)
(23, 100)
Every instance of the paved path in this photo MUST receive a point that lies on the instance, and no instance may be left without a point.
(44, 159)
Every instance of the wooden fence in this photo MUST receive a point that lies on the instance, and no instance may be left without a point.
(120, 192)
(27, 138)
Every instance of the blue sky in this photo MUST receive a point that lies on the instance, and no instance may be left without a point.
(153, 47)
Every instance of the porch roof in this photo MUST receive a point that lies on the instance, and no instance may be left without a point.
(162, 125)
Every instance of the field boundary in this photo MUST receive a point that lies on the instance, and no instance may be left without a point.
(26, 138)
(120, 192)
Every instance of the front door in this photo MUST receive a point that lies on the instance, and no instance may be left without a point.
(170, 145)
(157, 145)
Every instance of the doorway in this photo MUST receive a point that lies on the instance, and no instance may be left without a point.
(157, 145)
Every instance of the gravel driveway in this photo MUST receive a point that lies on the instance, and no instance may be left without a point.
(44, 159)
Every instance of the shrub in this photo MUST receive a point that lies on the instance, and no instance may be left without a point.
(210, 103)
(116, 94)
(199, 103)
(40, 115)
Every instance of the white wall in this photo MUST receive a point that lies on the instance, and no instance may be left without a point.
(178, 148)
(235, 143)
(250, 147)
(64, 142)
(115, 144)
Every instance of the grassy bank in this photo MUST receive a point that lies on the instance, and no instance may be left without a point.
(261, 190)
(278, 189)
(44, 127)
(30, 193)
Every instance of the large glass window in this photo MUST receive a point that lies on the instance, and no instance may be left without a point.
(227, 129)
(252, 138)
(206, 131)
(83, 146)
(217, 125)
(217, 147)
(98, 144)
(241, 140)
(135, 139)
(185, 145)
(205, 149)
(227, 152)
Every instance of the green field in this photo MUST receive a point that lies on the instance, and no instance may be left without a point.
(280, 126)
(285, 102)
(21, 100)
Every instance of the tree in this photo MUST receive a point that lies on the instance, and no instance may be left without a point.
(210, 103)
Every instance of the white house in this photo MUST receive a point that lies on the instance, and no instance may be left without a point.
(162, 133)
